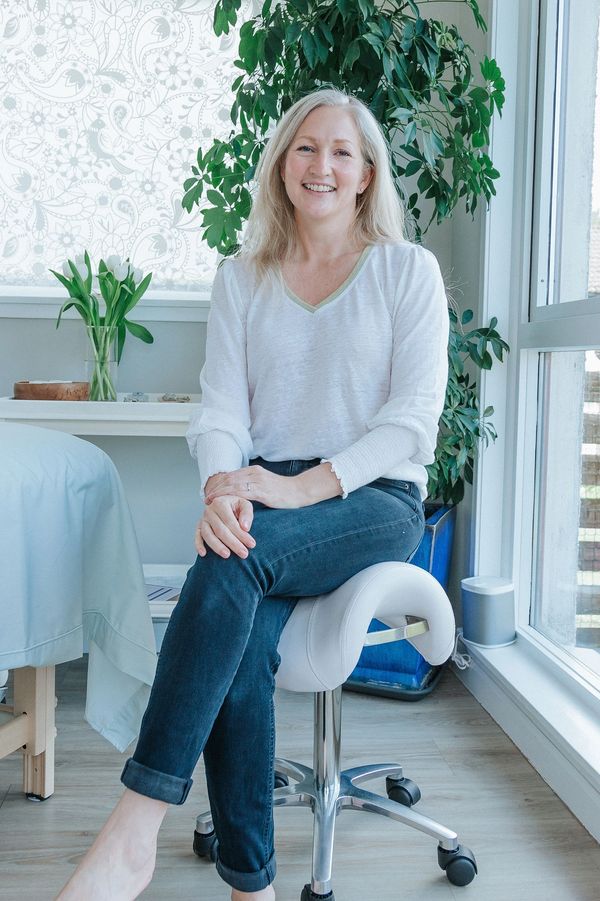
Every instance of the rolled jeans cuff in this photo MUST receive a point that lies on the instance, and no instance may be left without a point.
(160, 786)
(247, 882)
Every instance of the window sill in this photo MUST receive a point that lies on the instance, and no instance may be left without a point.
(554, 726)
(45, 303)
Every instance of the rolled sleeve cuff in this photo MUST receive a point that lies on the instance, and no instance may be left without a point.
(376, 453)
(217, 452)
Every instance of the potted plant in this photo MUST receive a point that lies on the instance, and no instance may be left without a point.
(119, 286)
(416, 76)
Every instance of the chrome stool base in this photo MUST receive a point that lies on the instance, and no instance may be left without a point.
(327, 791)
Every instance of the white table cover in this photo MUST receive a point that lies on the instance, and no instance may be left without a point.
(70, 572)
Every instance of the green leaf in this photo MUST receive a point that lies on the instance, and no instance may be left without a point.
(88, 281)
(244, 203)
(64, 307)
(268, 101)
(139, 291)
(65, 282)
(138, 331)
(322, 48)
(77, 278)
(213, 234)
(437, 143)
(352, 55)
(309, 47)
(410, 133)
(121, 334)
(413, 167)
(215, 198)
(220, 23)
(326, 32)
(192, 197)
(376, 44)
(292, 33)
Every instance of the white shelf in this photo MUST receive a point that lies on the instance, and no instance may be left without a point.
(166, 419)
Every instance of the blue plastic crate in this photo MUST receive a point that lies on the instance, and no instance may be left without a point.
(396, 669)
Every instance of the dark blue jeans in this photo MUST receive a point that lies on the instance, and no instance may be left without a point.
(215, 679)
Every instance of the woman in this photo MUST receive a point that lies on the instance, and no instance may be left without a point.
(324, 380)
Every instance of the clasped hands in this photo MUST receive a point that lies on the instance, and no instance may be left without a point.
(228, 511)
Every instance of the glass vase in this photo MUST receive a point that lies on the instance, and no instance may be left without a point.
(101, 362)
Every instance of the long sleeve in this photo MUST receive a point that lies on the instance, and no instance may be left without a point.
(406, 426)
(218, 435)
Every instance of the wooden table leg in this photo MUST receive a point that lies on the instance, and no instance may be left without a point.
(34, 696)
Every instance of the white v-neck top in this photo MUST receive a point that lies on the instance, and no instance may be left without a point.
(357, 380)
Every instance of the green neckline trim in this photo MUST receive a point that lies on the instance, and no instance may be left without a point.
(313, 308)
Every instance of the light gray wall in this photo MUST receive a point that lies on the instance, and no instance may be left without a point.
(36, 349)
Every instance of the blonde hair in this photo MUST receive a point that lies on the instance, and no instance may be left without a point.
(271, 234)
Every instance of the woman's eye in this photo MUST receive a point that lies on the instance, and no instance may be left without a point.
(306, 147)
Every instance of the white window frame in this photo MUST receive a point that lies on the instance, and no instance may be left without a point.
(155, 306)
(503, 540)
(538, 696)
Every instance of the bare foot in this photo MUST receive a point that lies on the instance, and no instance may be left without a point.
(120, 863)
(265, 894)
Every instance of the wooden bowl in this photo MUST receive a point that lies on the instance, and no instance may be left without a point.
(51, 390)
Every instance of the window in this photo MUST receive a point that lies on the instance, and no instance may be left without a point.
(102, 108)
(563, 332)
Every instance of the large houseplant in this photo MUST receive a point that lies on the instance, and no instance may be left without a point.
(415, 74)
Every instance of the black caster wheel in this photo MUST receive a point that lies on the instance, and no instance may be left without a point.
(205, 845)
(459, 865)
(309, 895)
(404, 791)
(280, 780)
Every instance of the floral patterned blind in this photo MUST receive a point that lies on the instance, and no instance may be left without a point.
(103, 105)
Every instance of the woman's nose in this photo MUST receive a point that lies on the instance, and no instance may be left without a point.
(321, 163)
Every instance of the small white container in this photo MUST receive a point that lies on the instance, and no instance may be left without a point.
(488, 611)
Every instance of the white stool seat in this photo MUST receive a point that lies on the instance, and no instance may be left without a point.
(323, 638)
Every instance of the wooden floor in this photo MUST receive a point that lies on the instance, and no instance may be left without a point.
(528, 845)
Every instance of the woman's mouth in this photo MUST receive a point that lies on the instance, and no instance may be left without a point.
(318, 189)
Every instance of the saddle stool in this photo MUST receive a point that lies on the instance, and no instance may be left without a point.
(319, 648)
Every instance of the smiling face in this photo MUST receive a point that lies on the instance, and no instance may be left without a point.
(324, 169)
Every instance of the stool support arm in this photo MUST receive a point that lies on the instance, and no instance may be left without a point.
(418, 627)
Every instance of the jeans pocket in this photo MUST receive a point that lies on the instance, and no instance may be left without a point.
(403, 489)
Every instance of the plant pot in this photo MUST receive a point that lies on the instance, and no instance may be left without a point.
(101, 362)
(397, 669)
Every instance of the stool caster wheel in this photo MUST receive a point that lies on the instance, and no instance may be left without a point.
(404, 791)
(206, 845)
(309, 895)
(280, 779)
(459, 865)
